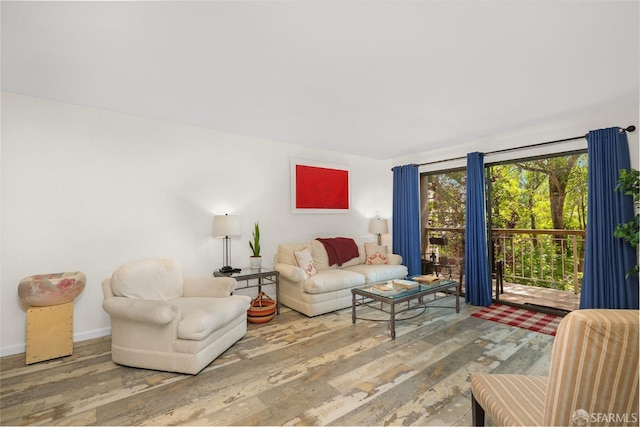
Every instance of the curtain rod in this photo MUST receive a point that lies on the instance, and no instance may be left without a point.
(627, 129)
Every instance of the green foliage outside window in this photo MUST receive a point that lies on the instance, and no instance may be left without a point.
(629, 183)
(541, 194)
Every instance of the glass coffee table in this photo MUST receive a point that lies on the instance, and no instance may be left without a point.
(396, 299)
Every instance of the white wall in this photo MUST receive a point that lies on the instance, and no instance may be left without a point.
(86, 189)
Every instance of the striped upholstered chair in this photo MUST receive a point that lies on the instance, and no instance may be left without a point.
(593, 378)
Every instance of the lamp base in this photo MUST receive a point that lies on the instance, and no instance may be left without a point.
(227, 269)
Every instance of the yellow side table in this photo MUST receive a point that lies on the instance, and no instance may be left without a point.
(49, 332)
(50, 315)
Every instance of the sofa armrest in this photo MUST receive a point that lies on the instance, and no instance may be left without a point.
(209, 287)
(394, 259)
(140, 310)
(291, 272)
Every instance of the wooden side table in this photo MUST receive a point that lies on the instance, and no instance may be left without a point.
(264, 276)
(49, 332)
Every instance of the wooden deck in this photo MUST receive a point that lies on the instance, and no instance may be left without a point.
(521, 294)
(533, 296)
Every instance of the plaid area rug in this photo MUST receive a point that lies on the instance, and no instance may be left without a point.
(526, 319)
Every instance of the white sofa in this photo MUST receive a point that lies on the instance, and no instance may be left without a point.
(162, 321)
(329, 287)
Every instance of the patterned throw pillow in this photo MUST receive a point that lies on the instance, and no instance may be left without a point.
(376, 254)
(305, 262)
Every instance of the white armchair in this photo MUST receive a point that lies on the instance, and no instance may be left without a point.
(162, 321)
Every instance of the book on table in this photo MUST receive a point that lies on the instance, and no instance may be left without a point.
(428, 278)
(384, 288)
(405, 284)
(394, 286)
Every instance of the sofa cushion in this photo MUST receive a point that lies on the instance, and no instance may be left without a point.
(376, 254)
(202, 316)
(379, 273)
(359, 259)
(340, 249)
(286, 251)
(522, 396)
(305, 261)
(152, 279)
(320, 256)
(332, 280)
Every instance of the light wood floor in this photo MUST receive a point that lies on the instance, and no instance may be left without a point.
(293, 370)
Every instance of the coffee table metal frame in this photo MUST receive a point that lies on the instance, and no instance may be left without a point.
(365, 297)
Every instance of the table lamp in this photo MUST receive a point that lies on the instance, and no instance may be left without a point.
(379, 227)
(226, 226)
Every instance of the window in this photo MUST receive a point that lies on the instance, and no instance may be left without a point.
(537, 217)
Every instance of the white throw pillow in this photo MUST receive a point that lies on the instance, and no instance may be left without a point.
(305, 261)
(376, 254)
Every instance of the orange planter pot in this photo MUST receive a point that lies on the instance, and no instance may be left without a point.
(262, 309)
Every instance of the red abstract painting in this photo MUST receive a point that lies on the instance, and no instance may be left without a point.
(321, 188)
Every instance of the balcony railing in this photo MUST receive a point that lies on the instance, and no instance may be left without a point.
(543, 258)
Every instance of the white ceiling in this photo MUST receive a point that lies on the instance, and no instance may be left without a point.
(380, 79)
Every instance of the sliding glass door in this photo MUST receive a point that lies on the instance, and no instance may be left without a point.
(537, 217)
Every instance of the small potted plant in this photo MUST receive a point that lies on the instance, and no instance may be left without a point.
(256, 259)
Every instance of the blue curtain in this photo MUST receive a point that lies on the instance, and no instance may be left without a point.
(607, 258)
(406, 217)
(476, 265)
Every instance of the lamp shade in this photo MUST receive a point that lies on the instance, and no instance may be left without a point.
(378, 226)
(226, 225)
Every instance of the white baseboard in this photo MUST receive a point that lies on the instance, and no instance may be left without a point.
(22, 347)
(96, 333)
(13, 349)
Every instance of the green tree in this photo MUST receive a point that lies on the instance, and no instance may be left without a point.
(447, 199)
(506, 194)
(558, 171)
(629, 184)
